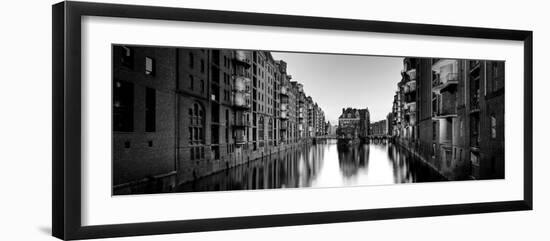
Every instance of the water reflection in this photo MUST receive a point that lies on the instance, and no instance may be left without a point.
(353, 160)
(321, 165)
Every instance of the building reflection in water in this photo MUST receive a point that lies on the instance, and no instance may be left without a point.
(353, 160)
(321, 165)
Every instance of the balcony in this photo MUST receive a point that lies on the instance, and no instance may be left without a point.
(474, 64)
(412, 119)
(410, 107)
(283, 126)
(412, 74)
(410, 88)
(445, 111)
(284, 107)
(474, 141)
(445, 82)
(284, 91)
(284, 115)
(241, 100)
(240, 139)
(240, 122)
(300, 115)
(243, 57)
(474, 102)
(241, 83)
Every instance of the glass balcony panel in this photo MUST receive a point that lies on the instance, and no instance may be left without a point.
(242, 56)
(412, 74)
(241, 100)
(443, 81)
(284, 115)
(241, 83)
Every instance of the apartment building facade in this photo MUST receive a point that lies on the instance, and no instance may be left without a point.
(453, 118)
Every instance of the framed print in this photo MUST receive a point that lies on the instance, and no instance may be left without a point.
(170, 120)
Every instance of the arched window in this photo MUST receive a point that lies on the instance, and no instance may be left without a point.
(196, 131)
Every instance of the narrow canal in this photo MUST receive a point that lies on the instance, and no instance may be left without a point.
(321, 165)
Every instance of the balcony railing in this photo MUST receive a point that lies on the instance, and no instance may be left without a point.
(474, 140)
(242, 57)
(474, 102)
(241, 122)
(240, 139)
(474, 64)
(284, 115)
(241, 100)
(410, 98)
(445, 111)
(412, 74)
(410, 107)
(444, 82)
(284, 90)
(283, 126)
(410, 88)
(241, 83)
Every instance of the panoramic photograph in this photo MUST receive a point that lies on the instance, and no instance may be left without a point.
(205, 119)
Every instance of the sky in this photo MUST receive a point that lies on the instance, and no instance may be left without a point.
(341, 81)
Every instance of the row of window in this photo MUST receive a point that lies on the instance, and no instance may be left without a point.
(191, 58)
(123, 107)
(202, 85)
(127, 60)
(474, 128)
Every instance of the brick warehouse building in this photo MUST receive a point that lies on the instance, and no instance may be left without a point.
(182, 113)
(354, 123)
(458, 127)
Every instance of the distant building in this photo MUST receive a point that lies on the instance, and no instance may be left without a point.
(379, 129)
(332, 129)
(353, 123)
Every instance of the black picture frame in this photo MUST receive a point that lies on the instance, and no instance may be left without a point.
(66, 75)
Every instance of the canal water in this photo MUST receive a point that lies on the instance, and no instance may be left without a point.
(321, 165)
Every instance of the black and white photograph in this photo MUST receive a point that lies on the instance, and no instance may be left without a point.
(277, 120)
(203, 119)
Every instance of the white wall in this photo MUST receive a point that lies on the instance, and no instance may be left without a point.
(25, 136)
